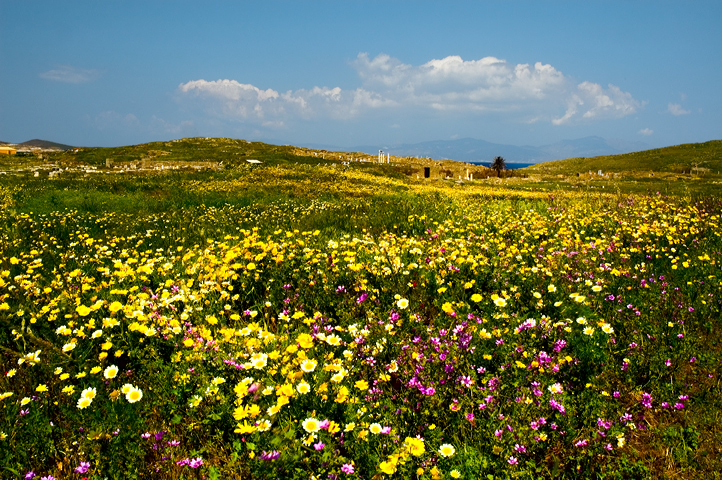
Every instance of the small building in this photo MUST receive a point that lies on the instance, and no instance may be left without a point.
(5, 150)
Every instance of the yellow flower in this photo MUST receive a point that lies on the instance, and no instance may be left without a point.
(388, 467)
(115, 306)
(476, 298)
(244, 428)
(305, 340)
(455, 474)
(41, 388)
(83, 311)
(362, 385)
(415, 446)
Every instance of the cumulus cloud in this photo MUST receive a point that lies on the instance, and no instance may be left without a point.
(676, 109)
(646, 131)
(598, 103)
(533, 93)
(70, 74)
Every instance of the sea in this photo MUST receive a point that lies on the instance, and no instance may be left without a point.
(509, 165)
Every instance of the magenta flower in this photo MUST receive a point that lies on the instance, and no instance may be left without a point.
(347, 468)
(195, 462)
(30, 475)
(319, 446)
(512, 460)
(82, 468)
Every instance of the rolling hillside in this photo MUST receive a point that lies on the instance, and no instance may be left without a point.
(686, 158)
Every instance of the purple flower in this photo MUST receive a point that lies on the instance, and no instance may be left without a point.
(30, 475)
(82, 468)
(270, 455)
(581, 443)
(470, 416)
(347, 468)
(319, 446)
(195, 462)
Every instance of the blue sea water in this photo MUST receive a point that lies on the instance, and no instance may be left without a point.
(509, 165)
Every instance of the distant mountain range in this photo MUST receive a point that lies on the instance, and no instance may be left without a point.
(473, 150)
(44, 144)
(464, 149)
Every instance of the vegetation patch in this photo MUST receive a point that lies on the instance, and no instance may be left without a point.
(295, 320)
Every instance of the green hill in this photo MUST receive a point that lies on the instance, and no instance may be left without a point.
(198, 149)
(686, 158)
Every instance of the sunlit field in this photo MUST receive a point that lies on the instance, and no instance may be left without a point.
(340, 323)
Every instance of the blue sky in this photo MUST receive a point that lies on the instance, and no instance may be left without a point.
(345, 73)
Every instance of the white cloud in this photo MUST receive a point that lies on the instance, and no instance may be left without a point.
(531, 93)
(598, 103)
(646, 131)
(70, 74)
(676, 109)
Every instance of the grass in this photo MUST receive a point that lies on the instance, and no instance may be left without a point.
(687, 158)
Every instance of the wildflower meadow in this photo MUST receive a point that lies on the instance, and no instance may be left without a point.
(298, 322)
